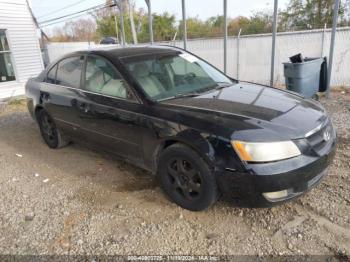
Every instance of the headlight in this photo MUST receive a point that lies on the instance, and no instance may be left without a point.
(265, 152)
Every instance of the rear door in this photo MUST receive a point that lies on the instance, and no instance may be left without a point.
(59, 91)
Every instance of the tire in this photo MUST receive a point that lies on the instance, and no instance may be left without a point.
(49, 132)
(186, 178)
(316, 97)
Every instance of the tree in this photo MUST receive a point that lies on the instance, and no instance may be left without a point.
(299, 15)
(258, 23)
(235, 24)
(215, 25)
(82, 29)
(163, 26)
(312, 14)
(196, 28)
(293, 18)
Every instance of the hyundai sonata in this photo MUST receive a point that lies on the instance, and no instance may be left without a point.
(202, 133)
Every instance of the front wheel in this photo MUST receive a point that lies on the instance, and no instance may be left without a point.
(186, 178)
(50, 133)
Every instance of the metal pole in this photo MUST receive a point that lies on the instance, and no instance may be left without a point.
(150, 21)
(331, 50)
(121, 11)
(116, 26)
(273, 51)
(174, 38)
(184, 33)
(132, 22)
(122, 23)
(238, 38)
(323, 38)
(225, 36)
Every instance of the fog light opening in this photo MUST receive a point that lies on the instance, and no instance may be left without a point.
(275, 195)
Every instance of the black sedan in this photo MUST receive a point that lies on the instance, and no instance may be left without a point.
(202, 133)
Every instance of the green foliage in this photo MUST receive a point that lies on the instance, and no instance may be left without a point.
(196, 28)
(163, 26)
(299, 15)
(259, 23)
(312, 14)
(106, 27)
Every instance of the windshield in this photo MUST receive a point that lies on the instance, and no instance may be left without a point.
(166, 76)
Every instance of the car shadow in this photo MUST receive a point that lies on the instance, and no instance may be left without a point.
(20, 133)
(79, 161)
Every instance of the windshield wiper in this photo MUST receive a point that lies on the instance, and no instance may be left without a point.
(216, 86)
(181, 95)
(221, 85)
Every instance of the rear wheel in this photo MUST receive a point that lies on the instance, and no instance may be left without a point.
(50, 133)
(186, 178)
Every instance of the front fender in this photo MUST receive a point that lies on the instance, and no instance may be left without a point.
(206, 145)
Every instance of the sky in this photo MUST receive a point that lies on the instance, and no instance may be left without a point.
(45, 10)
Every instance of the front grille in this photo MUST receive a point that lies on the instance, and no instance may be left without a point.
(322, 140)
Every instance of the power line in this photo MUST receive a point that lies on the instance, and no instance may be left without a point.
(64, 16)
(79, 12)
(70, 18)
(64, 20)
(13, 3)
(60, 9)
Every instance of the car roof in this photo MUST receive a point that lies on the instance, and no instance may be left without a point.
(122, 52)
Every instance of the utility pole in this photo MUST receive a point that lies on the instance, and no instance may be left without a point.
(273, 51)
(121, 11)
(184, 33)
(331, 49)
(225, 36)
(116, 27)
(132, 22)
(150, 21)
(323, 39)
(238, 46)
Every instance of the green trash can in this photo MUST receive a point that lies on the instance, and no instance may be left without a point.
(304, 77)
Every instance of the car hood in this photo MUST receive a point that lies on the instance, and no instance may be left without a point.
(256, 112)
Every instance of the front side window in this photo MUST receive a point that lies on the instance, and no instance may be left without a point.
(165, 76)
(102, 78)
(51, 76)
(6, 68)
(69, 72)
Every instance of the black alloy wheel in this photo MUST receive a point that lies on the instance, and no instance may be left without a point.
(50, 133)
(186, 178)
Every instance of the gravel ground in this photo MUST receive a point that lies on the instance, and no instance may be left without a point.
(77, 201)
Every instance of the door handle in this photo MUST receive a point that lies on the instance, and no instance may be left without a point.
(84, 107)
(45, 96)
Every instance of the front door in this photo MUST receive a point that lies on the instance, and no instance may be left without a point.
(109, 113)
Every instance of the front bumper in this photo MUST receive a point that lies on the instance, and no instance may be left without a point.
(296, 175)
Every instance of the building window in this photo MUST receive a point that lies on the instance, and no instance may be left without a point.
(6, 68)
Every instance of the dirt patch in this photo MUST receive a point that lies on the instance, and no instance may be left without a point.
(84, 202)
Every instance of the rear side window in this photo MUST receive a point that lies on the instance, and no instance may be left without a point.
(51, 76)
(69, 72)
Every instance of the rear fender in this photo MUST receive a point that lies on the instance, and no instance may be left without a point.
(32, 91)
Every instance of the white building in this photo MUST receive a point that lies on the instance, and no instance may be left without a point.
(20, 55)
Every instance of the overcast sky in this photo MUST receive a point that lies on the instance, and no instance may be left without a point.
(201, 8)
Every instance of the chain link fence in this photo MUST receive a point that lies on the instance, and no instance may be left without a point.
(249, 57)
